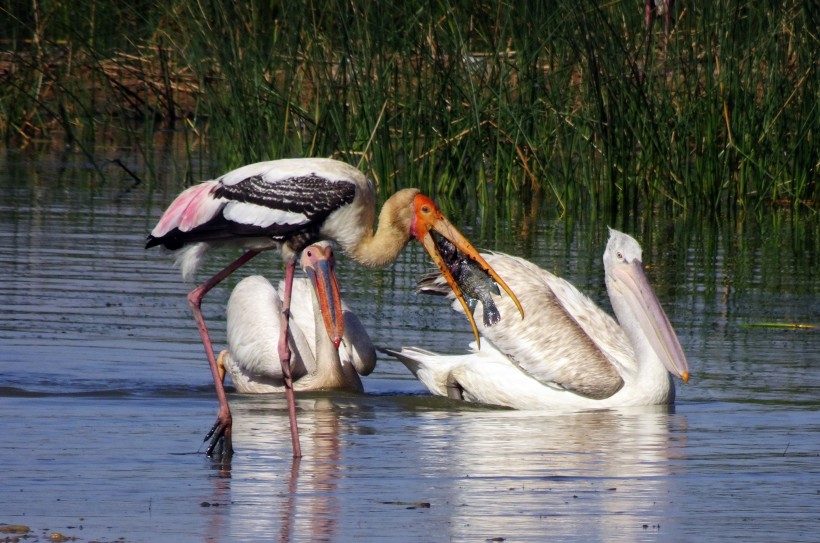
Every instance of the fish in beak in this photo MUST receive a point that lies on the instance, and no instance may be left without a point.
(320, 265)
(632, 284)
(427, 218)
(476, 285)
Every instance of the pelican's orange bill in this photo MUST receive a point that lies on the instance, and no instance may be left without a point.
(428, 217)
(320, 266)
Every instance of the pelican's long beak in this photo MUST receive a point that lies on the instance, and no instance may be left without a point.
(652, 318)
(320, 266)
(428, 217)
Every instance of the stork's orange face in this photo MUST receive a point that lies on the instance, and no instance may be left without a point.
(428, 217)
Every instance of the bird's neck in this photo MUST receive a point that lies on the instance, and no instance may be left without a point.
(327, 372)
(379, 248)
(650, 375)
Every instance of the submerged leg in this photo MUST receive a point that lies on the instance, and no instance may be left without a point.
(454, 388)
(220, 433)
(284, 357)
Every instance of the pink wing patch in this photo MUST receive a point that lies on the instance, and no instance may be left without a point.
(194, 206)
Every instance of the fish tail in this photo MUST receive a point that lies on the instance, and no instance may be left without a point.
(491, 315)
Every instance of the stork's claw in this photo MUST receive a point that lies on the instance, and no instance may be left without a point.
(220, 436)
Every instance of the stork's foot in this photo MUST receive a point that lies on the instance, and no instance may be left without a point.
(220, 436)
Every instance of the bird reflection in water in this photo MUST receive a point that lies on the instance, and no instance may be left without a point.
(265, 492)
(487, 473)
(603, 474)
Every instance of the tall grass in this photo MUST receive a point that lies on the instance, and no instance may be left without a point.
(578, 103)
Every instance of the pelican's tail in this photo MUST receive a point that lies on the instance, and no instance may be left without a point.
(411, 357)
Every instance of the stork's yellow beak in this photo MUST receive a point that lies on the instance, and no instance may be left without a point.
(428, 217)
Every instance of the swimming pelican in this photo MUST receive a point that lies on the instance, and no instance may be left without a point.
(286, 205)
(316, 363)
(567, 352)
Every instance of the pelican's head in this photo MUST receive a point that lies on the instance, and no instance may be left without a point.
(427, 217)
(320, 265)
(626, 278)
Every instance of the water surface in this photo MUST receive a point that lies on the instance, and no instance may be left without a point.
(106, 395)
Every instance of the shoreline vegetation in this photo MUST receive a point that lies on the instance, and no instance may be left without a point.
(579, 104)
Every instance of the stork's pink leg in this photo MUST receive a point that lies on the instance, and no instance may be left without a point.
(284, 357)
(221, 431)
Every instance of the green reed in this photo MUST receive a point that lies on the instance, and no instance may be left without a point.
(576, 103)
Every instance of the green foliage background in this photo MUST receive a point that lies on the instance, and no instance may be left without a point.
(577, 103)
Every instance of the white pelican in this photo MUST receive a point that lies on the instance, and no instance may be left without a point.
(316, 362)
(567, 352)
(286, 205)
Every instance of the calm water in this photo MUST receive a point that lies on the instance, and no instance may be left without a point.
(105, 392)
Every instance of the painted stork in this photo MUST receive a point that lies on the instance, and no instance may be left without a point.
(567, 352)
(287, 205)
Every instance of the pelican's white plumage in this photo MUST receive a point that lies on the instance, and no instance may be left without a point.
(567, 352)
(253, 336)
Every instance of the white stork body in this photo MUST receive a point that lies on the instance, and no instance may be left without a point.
(567, 353)
(289, 204)
(316, 364)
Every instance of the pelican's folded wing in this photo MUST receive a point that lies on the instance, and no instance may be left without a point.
(565, 341)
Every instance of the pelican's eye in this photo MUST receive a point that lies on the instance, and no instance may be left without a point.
(425, 209)
(619, 255)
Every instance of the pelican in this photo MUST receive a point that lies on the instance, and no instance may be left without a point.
(316, 362)
(287, 205)
(567, 352)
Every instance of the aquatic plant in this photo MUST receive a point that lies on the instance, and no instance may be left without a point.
(580, 104)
